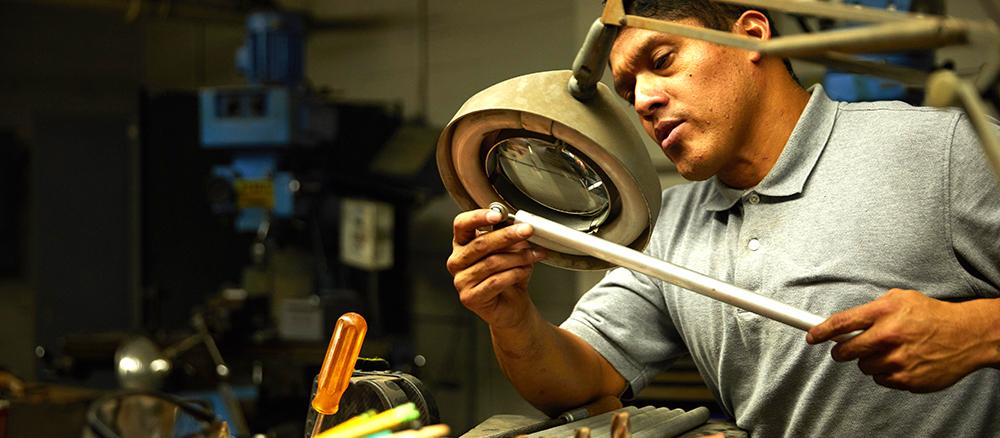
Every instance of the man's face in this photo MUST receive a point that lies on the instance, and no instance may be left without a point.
(695, 99)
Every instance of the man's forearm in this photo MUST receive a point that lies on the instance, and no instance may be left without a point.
(985, 316)
(551, 368)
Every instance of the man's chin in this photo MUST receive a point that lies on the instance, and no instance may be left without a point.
(693, 172)
(688, 164)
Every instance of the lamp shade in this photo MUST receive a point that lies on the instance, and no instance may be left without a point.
(528, 143)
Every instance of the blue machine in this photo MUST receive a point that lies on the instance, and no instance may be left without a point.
(259, 121)
(857, 88)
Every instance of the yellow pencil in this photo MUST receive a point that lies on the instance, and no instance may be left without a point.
(433, 431)
(379, 422)
(353, 420)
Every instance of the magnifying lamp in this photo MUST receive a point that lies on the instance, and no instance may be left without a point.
(527, 142)
(556, 150)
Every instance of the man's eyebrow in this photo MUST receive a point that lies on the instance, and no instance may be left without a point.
(636, 56)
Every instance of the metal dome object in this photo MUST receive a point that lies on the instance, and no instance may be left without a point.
(139, 364)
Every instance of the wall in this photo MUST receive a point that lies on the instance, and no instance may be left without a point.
(86, 70)
(71, 90)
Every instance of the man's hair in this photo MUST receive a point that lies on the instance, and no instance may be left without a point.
(718, 16)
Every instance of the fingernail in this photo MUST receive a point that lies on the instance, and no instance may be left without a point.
(493, 216)
(523, 230)
(537, 254)
(809, 338)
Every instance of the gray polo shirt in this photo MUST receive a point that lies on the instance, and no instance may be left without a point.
(865, 197)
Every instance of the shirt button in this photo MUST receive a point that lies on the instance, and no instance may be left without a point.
(753, 244)
(753, 198)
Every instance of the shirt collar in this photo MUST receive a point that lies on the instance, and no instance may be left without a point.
(797, 160)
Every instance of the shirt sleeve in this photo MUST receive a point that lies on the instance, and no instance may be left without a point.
(624, 317)
(975, 209)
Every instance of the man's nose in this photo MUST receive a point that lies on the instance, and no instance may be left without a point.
(648, 99)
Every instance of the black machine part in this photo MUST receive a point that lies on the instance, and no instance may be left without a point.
(378, 390)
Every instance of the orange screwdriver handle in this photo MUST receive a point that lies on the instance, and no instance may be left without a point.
(338, 364)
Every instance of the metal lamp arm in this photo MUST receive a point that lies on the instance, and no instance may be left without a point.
(831, 10)
(588, 67)
(945, 88)
(909, 77)
(893, 31)
(911, 35)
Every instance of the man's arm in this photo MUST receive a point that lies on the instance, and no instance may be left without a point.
(914, 342)
(553, 369)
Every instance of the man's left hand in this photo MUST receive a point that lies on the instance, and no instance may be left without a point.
(914, 342)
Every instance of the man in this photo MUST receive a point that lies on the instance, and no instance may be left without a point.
(821, 205)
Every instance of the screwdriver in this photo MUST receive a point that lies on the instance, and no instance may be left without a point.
(338, 365)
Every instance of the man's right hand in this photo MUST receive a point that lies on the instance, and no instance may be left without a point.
(491, 269)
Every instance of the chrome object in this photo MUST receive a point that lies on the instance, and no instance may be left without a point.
(139, 364)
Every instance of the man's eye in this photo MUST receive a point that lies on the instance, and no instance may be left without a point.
(663, 61)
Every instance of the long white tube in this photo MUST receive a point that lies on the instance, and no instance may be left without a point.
(634, 260)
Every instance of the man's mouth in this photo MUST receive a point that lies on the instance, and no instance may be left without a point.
(666, 132)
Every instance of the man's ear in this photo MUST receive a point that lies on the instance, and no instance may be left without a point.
(753, 24)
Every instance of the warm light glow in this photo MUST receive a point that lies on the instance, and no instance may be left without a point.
(159, 365)
(129, 365)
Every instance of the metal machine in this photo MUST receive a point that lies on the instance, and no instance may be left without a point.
(260, 121)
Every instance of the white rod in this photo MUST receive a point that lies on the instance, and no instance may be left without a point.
(673, 274)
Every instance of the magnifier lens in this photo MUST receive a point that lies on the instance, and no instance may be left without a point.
(551, 175)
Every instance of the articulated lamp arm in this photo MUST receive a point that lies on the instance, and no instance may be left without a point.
(891, 30)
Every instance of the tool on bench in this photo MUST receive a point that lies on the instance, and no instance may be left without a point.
(599, 406)
(338, 366)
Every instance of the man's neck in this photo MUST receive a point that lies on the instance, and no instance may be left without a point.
(781, 105)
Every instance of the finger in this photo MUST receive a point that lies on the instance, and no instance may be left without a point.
(524, 246)
(466, 223)
(509, 239)
(857, 318)
(877, 364)
(491, 265)
(890, 381)
(870, 342)
(500, 240)
(492, 286)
